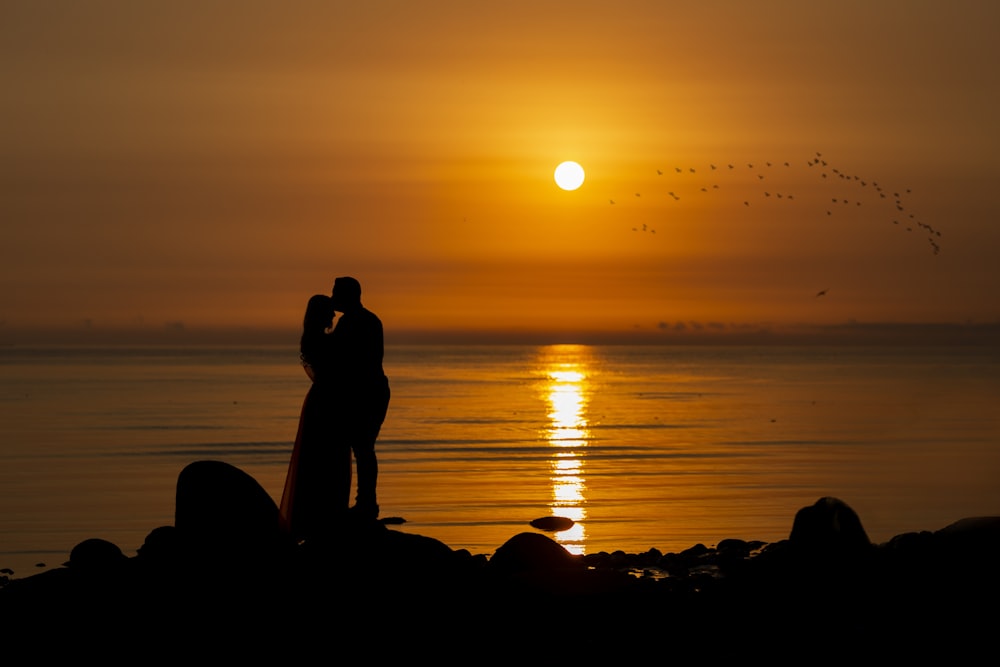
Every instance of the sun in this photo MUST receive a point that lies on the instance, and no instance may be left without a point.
(569, 175)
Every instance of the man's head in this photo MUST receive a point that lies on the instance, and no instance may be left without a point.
(346, 293)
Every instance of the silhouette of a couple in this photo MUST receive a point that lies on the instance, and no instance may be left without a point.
(342, 414)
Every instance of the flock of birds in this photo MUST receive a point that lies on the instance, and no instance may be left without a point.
(851, 191)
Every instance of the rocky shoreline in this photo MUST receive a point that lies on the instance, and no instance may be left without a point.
(221, 582)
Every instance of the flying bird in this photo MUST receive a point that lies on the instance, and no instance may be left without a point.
(827, 174)
(822, 292)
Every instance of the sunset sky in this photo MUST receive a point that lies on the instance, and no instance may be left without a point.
(180, 167)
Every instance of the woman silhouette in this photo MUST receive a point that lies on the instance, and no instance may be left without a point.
(318, 485)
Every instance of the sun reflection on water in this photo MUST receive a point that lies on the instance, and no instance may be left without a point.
(566, 390)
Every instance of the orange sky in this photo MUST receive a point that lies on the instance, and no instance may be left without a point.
(209, 165)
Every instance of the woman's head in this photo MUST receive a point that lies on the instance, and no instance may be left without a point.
(319, 313)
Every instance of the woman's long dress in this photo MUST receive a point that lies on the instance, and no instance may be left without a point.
(317, 487)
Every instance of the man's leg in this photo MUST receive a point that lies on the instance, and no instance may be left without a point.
(363, 444)
(364, 457)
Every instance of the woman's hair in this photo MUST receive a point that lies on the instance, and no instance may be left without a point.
(319, 315)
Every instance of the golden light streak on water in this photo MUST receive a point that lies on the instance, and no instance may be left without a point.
(566, 388)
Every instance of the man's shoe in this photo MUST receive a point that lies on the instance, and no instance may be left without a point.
(365, 511)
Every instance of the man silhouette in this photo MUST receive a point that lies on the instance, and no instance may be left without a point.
(364, 388)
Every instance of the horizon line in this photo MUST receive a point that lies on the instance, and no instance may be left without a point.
(895, 333)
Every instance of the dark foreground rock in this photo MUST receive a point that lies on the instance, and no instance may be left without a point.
(222, 585)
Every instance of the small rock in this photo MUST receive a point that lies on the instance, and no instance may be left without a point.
(553, 523)
(96, 554)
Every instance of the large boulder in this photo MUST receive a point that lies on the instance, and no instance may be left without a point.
(829, 526)
(532, 552)
(979, 533)
(222, 510)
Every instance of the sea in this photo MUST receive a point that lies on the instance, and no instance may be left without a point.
(644, 446)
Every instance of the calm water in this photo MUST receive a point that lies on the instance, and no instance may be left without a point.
(644, 446)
